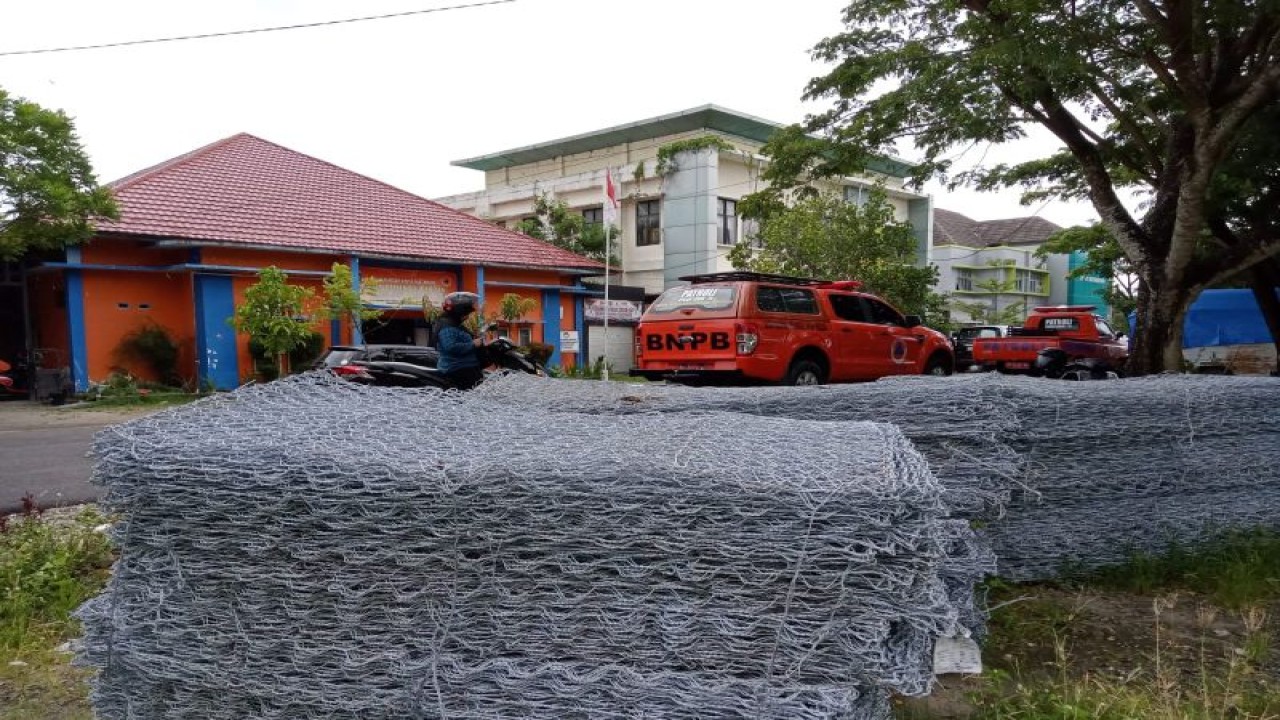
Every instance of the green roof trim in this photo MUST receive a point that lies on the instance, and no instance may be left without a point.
(707, 117)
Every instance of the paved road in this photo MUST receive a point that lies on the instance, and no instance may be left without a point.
(43, 452)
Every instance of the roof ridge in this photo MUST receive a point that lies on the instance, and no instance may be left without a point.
(127, 180)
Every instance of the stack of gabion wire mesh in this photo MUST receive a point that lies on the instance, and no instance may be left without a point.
(1070, 475)
(313, 548)
(960, 432)
(1135, 465)
(1065, 474)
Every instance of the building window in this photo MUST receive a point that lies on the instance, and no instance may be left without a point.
(751, 232)
(1026, 281)
(964, 280)
(648, 223)
(727, 213)
(526, 336)
(856, 195)
(593, 216)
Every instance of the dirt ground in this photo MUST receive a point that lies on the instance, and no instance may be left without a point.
(1109, 635)
(26, 415)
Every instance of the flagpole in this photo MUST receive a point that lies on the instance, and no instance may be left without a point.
(608, 180)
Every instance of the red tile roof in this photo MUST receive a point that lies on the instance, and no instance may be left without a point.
(952, 228)
(245, 190)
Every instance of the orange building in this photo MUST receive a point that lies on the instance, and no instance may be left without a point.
(194, 231)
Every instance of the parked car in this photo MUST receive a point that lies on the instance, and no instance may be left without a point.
(962, 342)
(753, 327)
(1056, 341)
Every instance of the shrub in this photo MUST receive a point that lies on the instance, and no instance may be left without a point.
(300, 358)
(153, 346)
(47, 569)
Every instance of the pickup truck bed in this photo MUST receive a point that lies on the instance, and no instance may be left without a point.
(1074, 330)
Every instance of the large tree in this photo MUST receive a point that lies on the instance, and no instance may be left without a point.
(824, 236)
(49, 197)
(1146, 96)
(555, 222)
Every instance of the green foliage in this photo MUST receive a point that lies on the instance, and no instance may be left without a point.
(49, 197)
(152, 344)
(983, 314)
(667, 153)
(47, 570)
(826, 237)
(1237, 570)
(561, 226)
(300, 357)
(986, 311)
(1103, 259)
(122, 390)
(1167, 100)
(274, 313)
(593, 371)
(430, 312)
(513, 307)
(342, 302)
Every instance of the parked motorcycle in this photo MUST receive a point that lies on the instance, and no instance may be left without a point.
(13, 381)
(500, 353)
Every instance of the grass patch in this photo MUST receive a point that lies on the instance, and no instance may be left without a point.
(123, 390)
(47, 569)
(1188, 635)
(1237, 570)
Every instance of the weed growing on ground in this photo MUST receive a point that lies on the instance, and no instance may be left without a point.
(1238, 570)
(1188, 635)
(47, 569)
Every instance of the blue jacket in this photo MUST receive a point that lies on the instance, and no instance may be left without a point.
(457, 349)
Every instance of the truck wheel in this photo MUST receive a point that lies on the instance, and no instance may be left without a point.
(805, 372)
(939, 365)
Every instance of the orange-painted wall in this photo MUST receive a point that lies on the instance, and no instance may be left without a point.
(117, 304)
(494, 291)
(259, 259)
(128, 252)
(236, 257)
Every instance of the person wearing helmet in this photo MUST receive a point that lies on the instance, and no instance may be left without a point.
(458, 347)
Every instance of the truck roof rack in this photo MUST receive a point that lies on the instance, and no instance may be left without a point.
(755, 277)
(1064, 308)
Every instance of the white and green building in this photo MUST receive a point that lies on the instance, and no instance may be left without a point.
(993, 264)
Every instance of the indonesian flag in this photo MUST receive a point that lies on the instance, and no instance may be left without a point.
(610, 198)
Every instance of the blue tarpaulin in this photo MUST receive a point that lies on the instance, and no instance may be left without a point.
(1223, 317)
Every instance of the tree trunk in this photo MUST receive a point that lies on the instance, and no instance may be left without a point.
(282, 364)
(1264, 278)
(1157, 345)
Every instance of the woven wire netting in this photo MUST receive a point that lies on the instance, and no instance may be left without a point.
(312, 548)
(961, 432)
(1066, 475)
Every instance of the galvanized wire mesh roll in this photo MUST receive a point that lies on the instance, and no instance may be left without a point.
(1063, 474)
(314, 548)
(960, 427)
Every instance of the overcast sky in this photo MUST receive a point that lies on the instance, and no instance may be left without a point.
(399, 99)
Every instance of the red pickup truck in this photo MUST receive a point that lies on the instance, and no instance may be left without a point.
(1053, 338)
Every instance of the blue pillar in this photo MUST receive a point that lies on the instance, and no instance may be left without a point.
(75, 322)
(357, 335)
(217, 354)
(551, 323)
(480, 285)
(580, 323)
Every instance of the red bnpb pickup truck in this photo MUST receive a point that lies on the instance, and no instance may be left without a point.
(752, 327)
(1052, 340)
